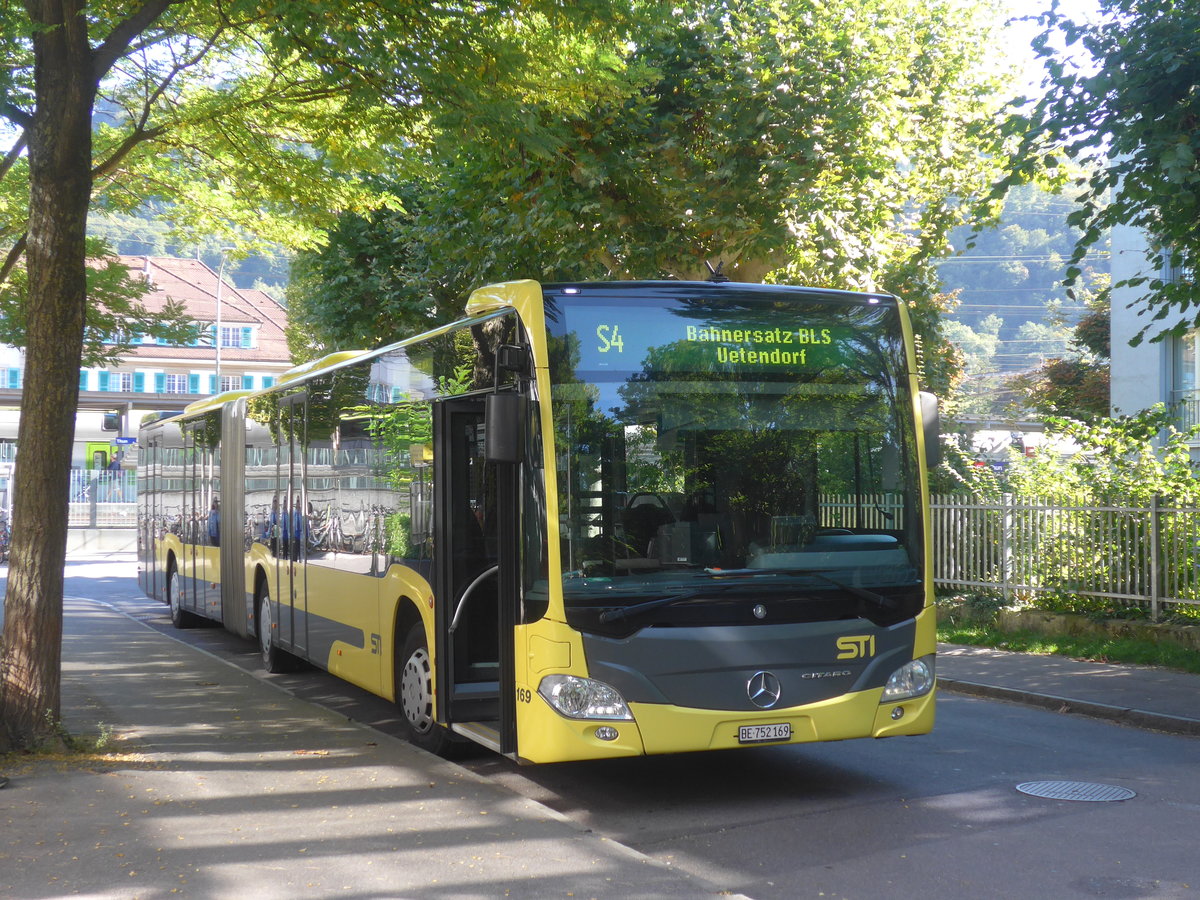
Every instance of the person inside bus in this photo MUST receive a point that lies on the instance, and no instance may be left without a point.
(273, 527)
(214, 523)
(295, 531)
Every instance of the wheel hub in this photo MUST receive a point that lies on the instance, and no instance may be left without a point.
(264, 627)
(415, 695)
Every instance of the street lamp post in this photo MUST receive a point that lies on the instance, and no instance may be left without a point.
(217, 336)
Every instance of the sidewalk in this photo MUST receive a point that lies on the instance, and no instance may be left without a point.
(228, 787)
(1140, 696)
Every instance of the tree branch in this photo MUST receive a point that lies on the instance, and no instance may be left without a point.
(141, 133)
(114, 160)
(10, 261)
(14, 154)
(117, 43)
(16, 115)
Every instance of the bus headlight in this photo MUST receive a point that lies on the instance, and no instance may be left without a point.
(583, 698)
(913, 679)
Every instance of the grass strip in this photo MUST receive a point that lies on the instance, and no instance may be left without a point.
(1098, 649)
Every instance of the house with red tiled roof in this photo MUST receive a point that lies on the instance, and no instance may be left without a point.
(249, 352)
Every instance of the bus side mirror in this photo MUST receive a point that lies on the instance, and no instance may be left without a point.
(504, 429)
(931, 424)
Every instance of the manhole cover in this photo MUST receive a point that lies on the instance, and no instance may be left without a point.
(1075, 790)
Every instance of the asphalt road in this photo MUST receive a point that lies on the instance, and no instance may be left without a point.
(937, 816)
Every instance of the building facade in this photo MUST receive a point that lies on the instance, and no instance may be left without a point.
(159, 377)
(1166, 371)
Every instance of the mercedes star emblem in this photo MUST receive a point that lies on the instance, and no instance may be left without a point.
(763, 689)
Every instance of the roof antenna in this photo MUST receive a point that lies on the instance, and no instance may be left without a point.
(715, 275)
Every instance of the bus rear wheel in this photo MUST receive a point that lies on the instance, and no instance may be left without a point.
(180, 617)
(414, 694)
(274, 658)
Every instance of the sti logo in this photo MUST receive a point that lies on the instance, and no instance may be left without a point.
(856, 646)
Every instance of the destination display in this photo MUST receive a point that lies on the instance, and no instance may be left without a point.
(628, 339)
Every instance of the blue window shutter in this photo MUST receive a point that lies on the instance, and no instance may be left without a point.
(247, 338)
(103, 380)
(83, 375)
(247, 382)
(160, 382)
(139, 382)
(193, 383)
(212, 384)
(14, 378)
(268, 380)
(212, 334)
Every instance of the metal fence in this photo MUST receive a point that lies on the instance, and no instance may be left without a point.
(103, 499)
(1144, 556)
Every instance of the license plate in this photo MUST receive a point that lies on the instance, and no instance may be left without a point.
(760, 734)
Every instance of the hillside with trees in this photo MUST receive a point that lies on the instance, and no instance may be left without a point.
(1012, 313)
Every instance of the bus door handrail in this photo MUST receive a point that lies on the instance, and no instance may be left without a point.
(462, 601)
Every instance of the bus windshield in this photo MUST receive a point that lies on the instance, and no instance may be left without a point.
(719, 448)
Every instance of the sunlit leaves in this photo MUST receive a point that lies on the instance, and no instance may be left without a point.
(829, 143)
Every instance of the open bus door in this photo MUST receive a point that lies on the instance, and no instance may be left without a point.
(476, 578)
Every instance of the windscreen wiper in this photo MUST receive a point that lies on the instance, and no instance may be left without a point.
(622, 612)
(854, 590)
(861, 592)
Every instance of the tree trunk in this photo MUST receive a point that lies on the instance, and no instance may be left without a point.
(60, 161)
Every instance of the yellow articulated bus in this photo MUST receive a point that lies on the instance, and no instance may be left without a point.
(585, 521)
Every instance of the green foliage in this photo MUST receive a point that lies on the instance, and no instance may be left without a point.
(1139, 109)
(827, 143)
(146, 232)
(260, 122)
(401, 425)
(958, 474)
(1097, 609)
(1076, 507)
(398, 535)
(1122, 460)
(1117, 462)
(1093, 333)
(1066, 387)
(370, 284)
(985, 389)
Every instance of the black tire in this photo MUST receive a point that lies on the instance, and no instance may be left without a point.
(414, 696)
(274, 658)
(180, 617)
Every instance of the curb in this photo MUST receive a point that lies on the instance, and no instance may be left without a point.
(1137, 718)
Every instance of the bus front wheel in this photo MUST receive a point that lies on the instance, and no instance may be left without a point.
(414, 694)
